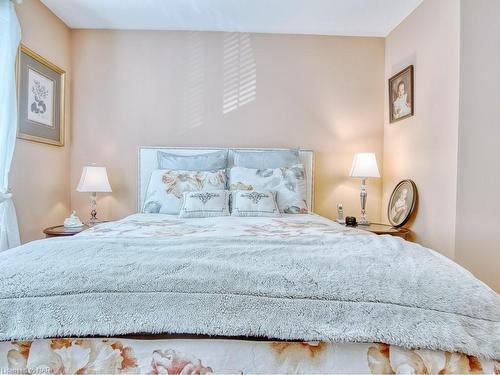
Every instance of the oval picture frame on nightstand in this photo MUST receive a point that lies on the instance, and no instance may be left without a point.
(402, 203)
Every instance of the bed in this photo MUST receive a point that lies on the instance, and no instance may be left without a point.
(155, 293)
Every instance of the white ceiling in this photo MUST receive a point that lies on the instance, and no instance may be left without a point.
(324, 17)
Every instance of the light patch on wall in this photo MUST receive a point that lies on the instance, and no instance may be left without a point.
(240, 72)
(193, 101)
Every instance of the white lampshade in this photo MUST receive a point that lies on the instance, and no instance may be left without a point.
(364, 165)
(94, 180)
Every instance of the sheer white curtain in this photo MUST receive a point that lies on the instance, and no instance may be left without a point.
(10, 36)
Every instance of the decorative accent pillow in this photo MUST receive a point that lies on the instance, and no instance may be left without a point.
(166, 187)
(212, 161)
(289, 184)
(205, 204)
(266, 159)
(254, 203)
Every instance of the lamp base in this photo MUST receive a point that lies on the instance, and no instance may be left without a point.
(91, 223)
(93, 210)
(363, 195)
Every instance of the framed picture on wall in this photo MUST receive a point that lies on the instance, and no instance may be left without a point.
(40, 93)
(401, 103)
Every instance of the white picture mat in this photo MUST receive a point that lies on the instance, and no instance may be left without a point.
(44, 87)
(147, 162)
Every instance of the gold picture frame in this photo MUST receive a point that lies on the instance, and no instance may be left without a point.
(40, 98)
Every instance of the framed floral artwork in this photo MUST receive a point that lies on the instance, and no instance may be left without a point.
(40, 86)
(401, 103)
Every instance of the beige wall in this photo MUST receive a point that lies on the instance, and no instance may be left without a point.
(424, 147)
(39, 175)
(478, 202)
(166, 88)
(326, 93)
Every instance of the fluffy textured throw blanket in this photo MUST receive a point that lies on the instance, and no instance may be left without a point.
(334, 286)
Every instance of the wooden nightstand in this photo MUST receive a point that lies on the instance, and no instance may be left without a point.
(61, 231)
(386, 229)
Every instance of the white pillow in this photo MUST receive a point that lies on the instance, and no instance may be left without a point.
(166, 187)
(254, 203)
(288, 182)
(205, 204)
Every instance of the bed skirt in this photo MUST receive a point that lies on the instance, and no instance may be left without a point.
(203, 356)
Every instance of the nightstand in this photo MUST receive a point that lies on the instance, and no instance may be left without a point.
(386, 229)
(61, 231)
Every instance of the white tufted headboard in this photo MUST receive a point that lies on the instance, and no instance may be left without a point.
(148, 162)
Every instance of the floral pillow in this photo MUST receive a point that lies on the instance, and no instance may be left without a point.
(205, 204)
(289, 184)
(166, 187)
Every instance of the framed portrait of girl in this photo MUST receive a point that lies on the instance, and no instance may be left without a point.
(402, 203)
(401, 103)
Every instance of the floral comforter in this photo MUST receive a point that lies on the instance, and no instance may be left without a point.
(167, 226)
(205, 356)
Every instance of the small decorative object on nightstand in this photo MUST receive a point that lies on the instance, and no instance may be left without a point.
(387, 229)
(72, 221)
(364, 165)
(62, 231)
(94, 180)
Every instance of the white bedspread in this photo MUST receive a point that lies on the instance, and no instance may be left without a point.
(298, 277)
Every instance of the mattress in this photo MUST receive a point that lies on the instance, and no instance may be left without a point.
(297, 293)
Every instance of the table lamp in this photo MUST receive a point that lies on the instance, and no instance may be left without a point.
(94, 180)
(364, 165)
